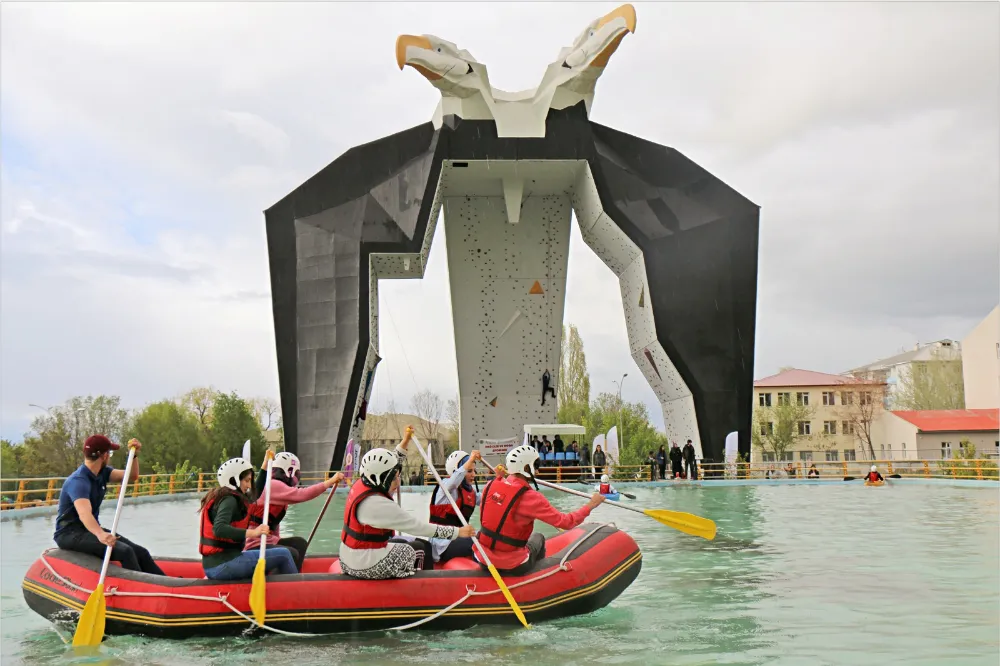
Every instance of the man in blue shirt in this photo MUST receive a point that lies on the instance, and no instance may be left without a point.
(80, 503)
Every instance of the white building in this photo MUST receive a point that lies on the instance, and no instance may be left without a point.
(981, 363)
(936, 434)
(895, 369)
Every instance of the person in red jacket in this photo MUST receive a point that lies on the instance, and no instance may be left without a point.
(873, 476)
(508, 511)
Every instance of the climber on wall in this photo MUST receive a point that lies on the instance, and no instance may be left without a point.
(546, 388)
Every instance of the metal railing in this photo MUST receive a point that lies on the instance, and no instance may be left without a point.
(23, 493)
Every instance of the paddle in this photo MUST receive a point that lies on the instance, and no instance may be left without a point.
(855, 478)
(475, 542)
(90, 628)
(628, 495)
(682, 522)
(258, 598)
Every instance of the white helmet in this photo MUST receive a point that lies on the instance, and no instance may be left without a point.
(287, 462)
(455, 459)
(874, 468)
(604, 478)
(378, 468)
(521, 457)
(231, 471)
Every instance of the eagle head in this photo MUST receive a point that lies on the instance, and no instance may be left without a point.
(451, 70)
(598, 42)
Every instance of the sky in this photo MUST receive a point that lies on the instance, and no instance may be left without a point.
(140, 143)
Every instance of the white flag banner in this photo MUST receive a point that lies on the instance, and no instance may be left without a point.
(732, 450)
(611, 448)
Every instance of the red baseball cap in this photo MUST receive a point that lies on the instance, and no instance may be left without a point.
(96, 444)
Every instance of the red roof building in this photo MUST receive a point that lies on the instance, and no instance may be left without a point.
(953, 420)
(936, 434)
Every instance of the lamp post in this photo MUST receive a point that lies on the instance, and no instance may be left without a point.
(621, 434)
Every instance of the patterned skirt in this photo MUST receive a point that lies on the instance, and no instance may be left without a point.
(401, 561)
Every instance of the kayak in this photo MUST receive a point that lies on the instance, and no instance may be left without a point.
(614, 497)
(584, 569)
(874, 483)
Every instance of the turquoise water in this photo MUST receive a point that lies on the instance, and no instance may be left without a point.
(837, 574)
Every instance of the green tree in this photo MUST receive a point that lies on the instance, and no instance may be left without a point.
(775, 430)
(200, 401)
(172, 435)
(931, 385)
(234, 422)
(10, 463)
(574, 380)
(637, 436)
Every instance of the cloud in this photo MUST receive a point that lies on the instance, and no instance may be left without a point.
(141, 143)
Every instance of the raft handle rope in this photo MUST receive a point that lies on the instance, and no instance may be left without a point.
(223, 598)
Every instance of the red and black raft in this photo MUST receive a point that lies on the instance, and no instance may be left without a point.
(584, 569)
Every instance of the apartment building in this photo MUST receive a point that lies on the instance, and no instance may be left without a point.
(981, 366)
(894, 370)
(827, 433)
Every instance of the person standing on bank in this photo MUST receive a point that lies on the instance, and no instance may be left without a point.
(690, 464)
(77, 526)
(600, 460)
(675, 461)
(661, 462)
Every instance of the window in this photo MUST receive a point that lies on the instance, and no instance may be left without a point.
(767, 456)
(832, 456)
(889, 449)
(784, 398)
(764, 399)
(849, 455)
(787, 456)
(806, 456)
(846, 398)
(829, 427)
(802, 399)
(767, 428)
(865, 398)
(847, 427)
(805, 427)
(945, 450)
(828, 398)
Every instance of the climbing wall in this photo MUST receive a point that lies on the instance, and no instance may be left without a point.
(625, 259)
(508, 288)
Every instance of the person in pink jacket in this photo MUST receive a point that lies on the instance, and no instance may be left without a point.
(285, 490)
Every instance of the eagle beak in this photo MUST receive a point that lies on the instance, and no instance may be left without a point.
(403, 42)
(626, 12)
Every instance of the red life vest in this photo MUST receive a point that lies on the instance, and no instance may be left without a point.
(605, 489)
(499, 499)
(210, 544)
(873, 476)
(356, 534)
(256, 512)
(443, 514)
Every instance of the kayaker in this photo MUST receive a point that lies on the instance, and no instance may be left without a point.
(509, 509)
(606, 488)
(285, 490)
(225, 528)
(367, 546)
(77, 526)
(873, 475)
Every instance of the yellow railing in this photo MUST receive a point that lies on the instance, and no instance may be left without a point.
(22, 493)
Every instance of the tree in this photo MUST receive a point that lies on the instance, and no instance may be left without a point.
(427, 407)
(574, 380)
(775, 429)
(234, 422)
(862, 402)
(81, 417)
(267, 411)
(637, 436)
(931, 385)
(10, 462)
(174, 437)
(200, 401)
(453, 419)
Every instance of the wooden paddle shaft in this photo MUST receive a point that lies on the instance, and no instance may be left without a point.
(118, 514)
(321, 513)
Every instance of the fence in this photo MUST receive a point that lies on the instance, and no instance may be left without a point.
(21, 493)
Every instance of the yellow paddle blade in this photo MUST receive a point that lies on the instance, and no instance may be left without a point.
(258, 598)
(90, 628)
(684, 522)
(510, 598)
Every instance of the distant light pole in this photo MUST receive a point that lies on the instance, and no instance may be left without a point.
(621, 434)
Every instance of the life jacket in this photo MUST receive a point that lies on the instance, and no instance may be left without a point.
(605, 489)
(210, 544)
(356, 534)
(873, 476)
(499, 499)
(443, 514)
(256, 512)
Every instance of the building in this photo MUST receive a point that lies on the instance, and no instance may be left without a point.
(981, 363)
(936, 434)
(828, 432)
(894, 370)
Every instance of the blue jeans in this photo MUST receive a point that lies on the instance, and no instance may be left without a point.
(239, 568)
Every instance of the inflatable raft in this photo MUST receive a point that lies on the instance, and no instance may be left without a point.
(584, 569)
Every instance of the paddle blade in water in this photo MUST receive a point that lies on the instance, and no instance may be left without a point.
(258, 599)
(90, 628)
(510, 598)
(684, 522)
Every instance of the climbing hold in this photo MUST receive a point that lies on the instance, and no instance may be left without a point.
(493, 402)
(642, 297)
(649, 357)
(509, 323)
(536, 288)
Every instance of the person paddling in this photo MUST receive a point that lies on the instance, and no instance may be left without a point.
(508, 511)
(367, 546)
(873, 475)
(606, 488)
(460, 484)
(225, 527)
(83, 491)
(285, 490)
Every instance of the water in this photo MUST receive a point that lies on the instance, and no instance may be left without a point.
(837, 574)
